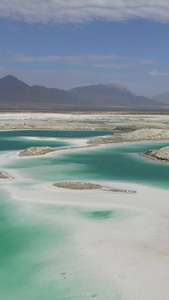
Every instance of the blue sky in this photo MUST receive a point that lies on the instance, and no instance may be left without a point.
(68, 43)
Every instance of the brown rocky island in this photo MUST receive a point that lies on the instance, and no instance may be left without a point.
(32, 151)
(82, 185)
(158, 154)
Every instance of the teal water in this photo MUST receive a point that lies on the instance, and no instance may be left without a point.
(19, 143)
(119, 163)
(55, 133)
(40, 258)
(21, 265)
(14, 140)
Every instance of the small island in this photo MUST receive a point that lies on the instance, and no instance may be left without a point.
(32, 151)
(151, 134)
(82, 185)
(158, 154)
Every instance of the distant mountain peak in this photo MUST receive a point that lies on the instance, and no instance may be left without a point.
(8, 77)
(12, 80)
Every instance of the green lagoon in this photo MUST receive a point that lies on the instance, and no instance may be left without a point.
(15, 139)
(117, 163)
(39, 255)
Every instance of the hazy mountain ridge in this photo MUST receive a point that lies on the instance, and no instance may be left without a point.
(162, 98)
(110, 94)
(17, 95)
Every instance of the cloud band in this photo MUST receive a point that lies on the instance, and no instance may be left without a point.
(76, 11)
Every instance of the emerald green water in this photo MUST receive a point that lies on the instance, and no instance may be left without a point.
(54, 133)
(21, 263)
(120, 163)
(40, 258)
(38, 255)
(14, 140)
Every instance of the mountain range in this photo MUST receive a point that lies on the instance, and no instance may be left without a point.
(17, 95)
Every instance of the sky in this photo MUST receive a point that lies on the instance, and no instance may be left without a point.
(70, 43)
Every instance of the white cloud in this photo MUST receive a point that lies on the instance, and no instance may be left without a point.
(145, 61)
(155, 72)
(72, 59)
(90, 60)
(61, 11)
(113, 66)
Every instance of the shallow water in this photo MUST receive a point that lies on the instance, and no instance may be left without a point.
(119, 163)
(15, 139)
(55, 133)
(39, 255)
(42, 253)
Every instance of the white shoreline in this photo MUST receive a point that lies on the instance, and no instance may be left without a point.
(32, 115)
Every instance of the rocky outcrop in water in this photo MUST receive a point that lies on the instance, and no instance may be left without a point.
(82, 185)
(32, 151)
(3, 175)
(159, 154)
(137, 135)
(144, 134)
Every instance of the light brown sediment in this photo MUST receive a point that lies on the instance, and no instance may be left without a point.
(4, 175)
(83, 185)
(158, 154)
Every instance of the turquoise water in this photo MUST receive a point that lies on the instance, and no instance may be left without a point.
(119, 163)
(40, 257)
(19, 143)
(22, 255)
(55, 133)
(14, 140)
